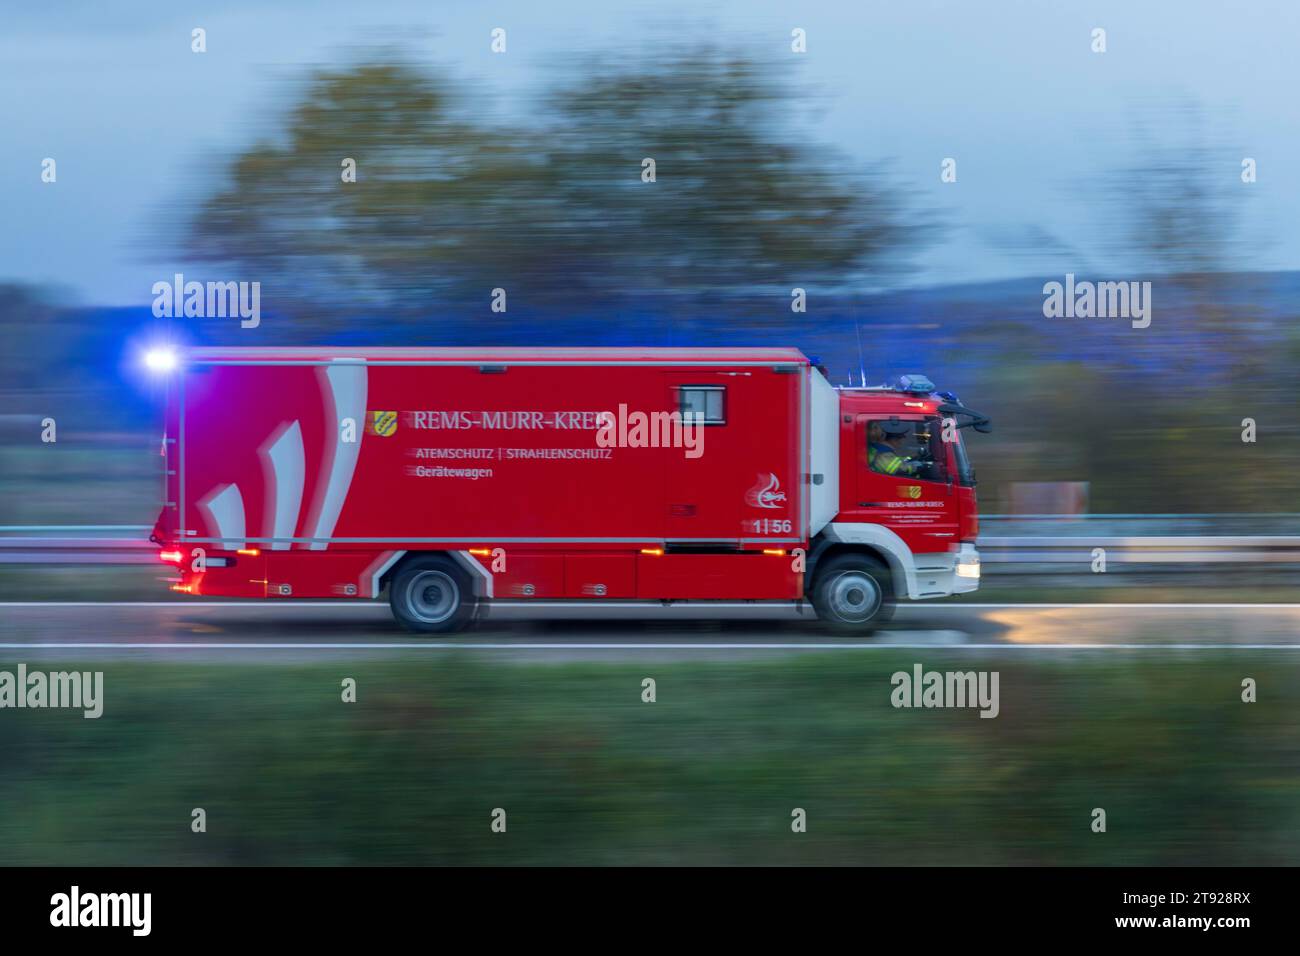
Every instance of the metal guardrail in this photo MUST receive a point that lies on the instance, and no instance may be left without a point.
(1021, 555)
(77, 550)
(1000, 553)
(1141, 525)
(1169, 543)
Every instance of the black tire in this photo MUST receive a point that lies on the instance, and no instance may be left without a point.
(853, 594)
(431, 594)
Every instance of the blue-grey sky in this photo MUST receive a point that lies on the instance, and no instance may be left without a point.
(139, 125)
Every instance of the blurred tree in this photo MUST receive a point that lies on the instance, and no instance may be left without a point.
(1155, 424)
(444, 210)
(743, 201)
(1175, 218)
(410, 228)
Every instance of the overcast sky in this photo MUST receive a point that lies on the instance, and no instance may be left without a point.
(1011, 90)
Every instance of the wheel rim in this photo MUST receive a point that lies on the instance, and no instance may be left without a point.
(855, 597)
(432, 596)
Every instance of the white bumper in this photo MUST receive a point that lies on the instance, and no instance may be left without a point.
(938, 575)
(966, 570)
(916, 576)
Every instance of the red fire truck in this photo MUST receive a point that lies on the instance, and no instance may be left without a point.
(453, 477)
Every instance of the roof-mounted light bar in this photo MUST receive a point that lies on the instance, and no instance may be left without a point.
(914, 384)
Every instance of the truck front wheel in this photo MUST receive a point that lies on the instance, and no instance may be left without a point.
(431, 595)
(853, 594)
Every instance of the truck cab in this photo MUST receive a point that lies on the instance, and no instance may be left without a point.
(907, 520)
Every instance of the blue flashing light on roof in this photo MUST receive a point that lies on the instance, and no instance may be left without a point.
(914, 384)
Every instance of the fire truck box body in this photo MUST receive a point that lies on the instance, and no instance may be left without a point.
(317, 472)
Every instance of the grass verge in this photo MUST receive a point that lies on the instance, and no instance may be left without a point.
(708, 774)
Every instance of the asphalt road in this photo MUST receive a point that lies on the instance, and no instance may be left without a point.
(311, 630)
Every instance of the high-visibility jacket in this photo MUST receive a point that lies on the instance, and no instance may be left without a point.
(885, 459)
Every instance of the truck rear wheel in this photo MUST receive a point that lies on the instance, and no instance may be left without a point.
(430, 594)
(853, 594)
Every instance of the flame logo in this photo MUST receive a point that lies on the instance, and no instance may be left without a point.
(766, 493)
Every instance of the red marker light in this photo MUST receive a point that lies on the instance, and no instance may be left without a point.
(171, 557)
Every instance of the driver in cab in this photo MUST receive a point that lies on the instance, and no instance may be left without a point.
(884, 445)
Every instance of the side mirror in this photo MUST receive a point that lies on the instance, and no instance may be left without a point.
(981, 423)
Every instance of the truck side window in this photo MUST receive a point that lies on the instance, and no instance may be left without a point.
(907, 449)
(706, 404)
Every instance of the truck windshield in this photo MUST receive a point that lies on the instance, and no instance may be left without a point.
(965, 470)
(916, 449)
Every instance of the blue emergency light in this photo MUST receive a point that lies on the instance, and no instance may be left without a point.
(161, 360)
(914, 384)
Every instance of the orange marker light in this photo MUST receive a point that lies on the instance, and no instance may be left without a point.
(172, 557)
(654, 551)
(481, 552)
(251, 552)
(779, 552)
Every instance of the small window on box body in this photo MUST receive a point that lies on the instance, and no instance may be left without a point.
(705, 404)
